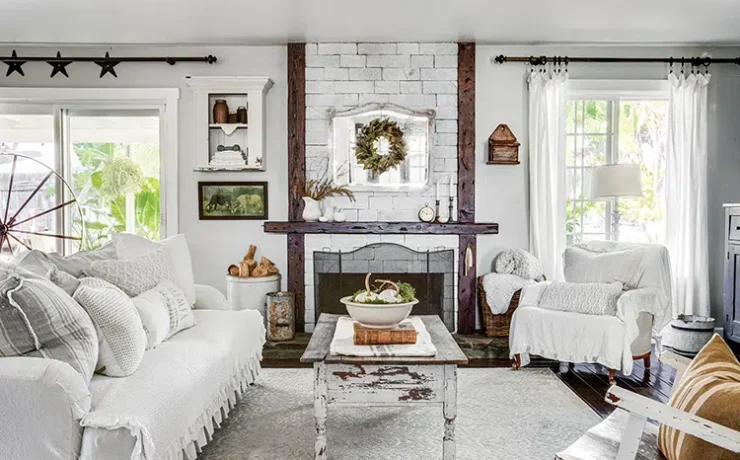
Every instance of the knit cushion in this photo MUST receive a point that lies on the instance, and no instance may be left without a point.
(131, 246)
(136, 275)
(120, 334)
(39, 319)
(587, 298)
(710, 389)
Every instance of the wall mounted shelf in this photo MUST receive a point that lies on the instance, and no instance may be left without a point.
(210, 137)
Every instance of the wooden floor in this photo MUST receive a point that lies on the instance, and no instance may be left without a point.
(589, 381)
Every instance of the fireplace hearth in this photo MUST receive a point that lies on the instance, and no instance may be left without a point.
(432, 273)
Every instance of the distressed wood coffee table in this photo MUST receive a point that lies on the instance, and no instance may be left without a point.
(378, 381)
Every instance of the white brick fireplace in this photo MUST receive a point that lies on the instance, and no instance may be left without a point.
(418, 76)
(412, 75)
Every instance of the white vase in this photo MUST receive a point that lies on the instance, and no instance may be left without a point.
(311, 209)
(328, 212)
(340, 216)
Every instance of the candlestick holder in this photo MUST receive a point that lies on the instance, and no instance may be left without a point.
(436, 210)
(451, 207)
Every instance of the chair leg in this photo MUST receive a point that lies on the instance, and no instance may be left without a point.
(646, 361)
(612, 380)
(517, 364)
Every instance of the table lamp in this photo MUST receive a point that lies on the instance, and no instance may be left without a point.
(613, 181)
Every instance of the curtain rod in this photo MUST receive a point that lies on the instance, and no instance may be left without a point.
(542, 60)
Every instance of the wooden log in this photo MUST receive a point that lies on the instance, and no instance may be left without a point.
(245, 271)
(251, 253)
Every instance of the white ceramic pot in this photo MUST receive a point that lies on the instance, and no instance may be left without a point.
(340, 216)
(311, 210)
(689, 333)
(382, 316)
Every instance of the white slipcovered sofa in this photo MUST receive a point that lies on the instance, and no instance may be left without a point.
(166, 410)
(613, 341)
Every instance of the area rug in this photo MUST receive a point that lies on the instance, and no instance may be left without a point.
(502, 415)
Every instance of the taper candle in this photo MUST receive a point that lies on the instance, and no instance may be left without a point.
(450, 185)
(437, 190)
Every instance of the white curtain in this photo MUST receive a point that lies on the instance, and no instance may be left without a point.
(547, 170)
(686, 193)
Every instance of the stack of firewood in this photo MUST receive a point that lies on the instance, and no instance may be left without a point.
(248, 267)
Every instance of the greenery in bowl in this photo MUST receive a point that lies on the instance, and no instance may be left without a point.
(404, 291)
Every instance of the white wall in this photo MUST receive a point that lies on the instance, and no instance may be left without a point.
(501, 97)
(213, 244)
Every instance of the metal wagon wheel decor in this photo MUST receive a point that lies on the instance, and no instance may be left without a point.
(22, 225)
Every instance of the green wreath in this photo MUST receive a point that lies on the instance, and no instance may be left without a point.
(366, 150)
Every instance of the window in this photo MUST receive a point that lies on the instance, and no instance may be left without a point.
(604, 127)
(106, 162)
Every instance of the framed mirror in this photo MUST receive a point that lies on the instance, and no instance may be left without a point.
(412, 173)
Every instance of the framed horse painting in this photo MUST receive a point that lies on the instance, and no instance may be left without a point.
(232, 200)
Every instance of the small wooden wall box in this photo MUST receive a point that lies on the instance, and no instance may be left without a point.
(503, 148)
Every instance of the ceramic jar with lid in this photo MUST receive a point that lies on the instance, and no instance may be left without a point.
(241, 115)
(220, 111)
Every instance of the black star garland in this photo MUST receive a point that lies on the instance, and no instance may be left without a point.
(106, 65)
(59, 65)
(14, 65)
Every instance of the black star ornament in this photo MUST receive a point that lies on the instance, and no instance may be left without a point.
(59, 65)
(107, 65)
(14, 65)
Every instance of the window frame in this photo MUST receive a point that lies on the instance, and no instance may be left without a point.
(613, 92)
(165, 100)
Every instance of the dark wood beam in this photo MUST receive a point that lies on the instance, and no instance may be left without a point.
(297, 278)
(296, 128)
(297, 175)
(466, 287)
(364, 228)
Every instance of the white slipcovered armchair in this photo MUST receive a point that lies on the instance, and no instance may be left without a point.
(613, 341)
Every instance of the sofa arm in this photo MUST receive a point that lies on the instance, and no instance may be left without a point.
(210, 298)
(41, 399)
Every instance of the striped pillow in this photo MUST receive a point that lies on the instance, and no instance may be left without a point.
(710, 389)
(39, 319)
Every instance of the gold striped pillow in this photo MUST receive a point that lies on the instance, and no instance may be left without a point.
(710, 389)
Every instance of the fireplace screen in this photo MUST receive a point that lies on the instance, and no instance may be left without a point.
(431, 273)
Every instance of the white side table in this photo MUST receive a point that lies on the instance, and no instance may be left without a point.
(250, 293)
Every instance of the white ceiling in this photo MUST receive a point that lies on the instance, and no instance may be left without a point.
(280, 21)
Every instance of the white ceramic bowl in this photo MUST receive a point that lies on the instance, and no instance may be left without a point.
(378, 316)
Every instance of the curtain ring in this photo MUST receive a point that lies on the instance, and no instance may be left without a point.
(566, 64)
(670, 65)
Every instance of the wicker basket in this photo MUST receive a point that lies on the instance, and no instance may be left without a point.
(497, 325)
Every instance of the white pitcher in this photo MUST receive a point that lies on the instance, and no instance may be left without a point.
(311, 209)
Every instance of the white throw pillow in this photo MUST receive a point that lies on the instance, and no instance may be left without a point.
(587, 298)
(164, 311)
(120, 334)
(130, 246)
(626, 266)
(137, 275)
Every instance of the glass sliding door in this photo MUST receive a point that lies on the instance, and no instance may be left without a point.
(28, 186)
(71, 177)
(114, 166)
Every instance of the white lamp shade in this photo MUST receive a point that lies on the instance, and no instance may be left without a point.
(615, 180)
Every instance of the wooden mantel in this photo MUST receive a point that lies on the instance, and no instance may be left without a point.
(397, 228)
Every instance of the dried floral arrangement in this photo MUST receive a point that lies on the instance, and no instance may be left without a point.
(324, 188)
